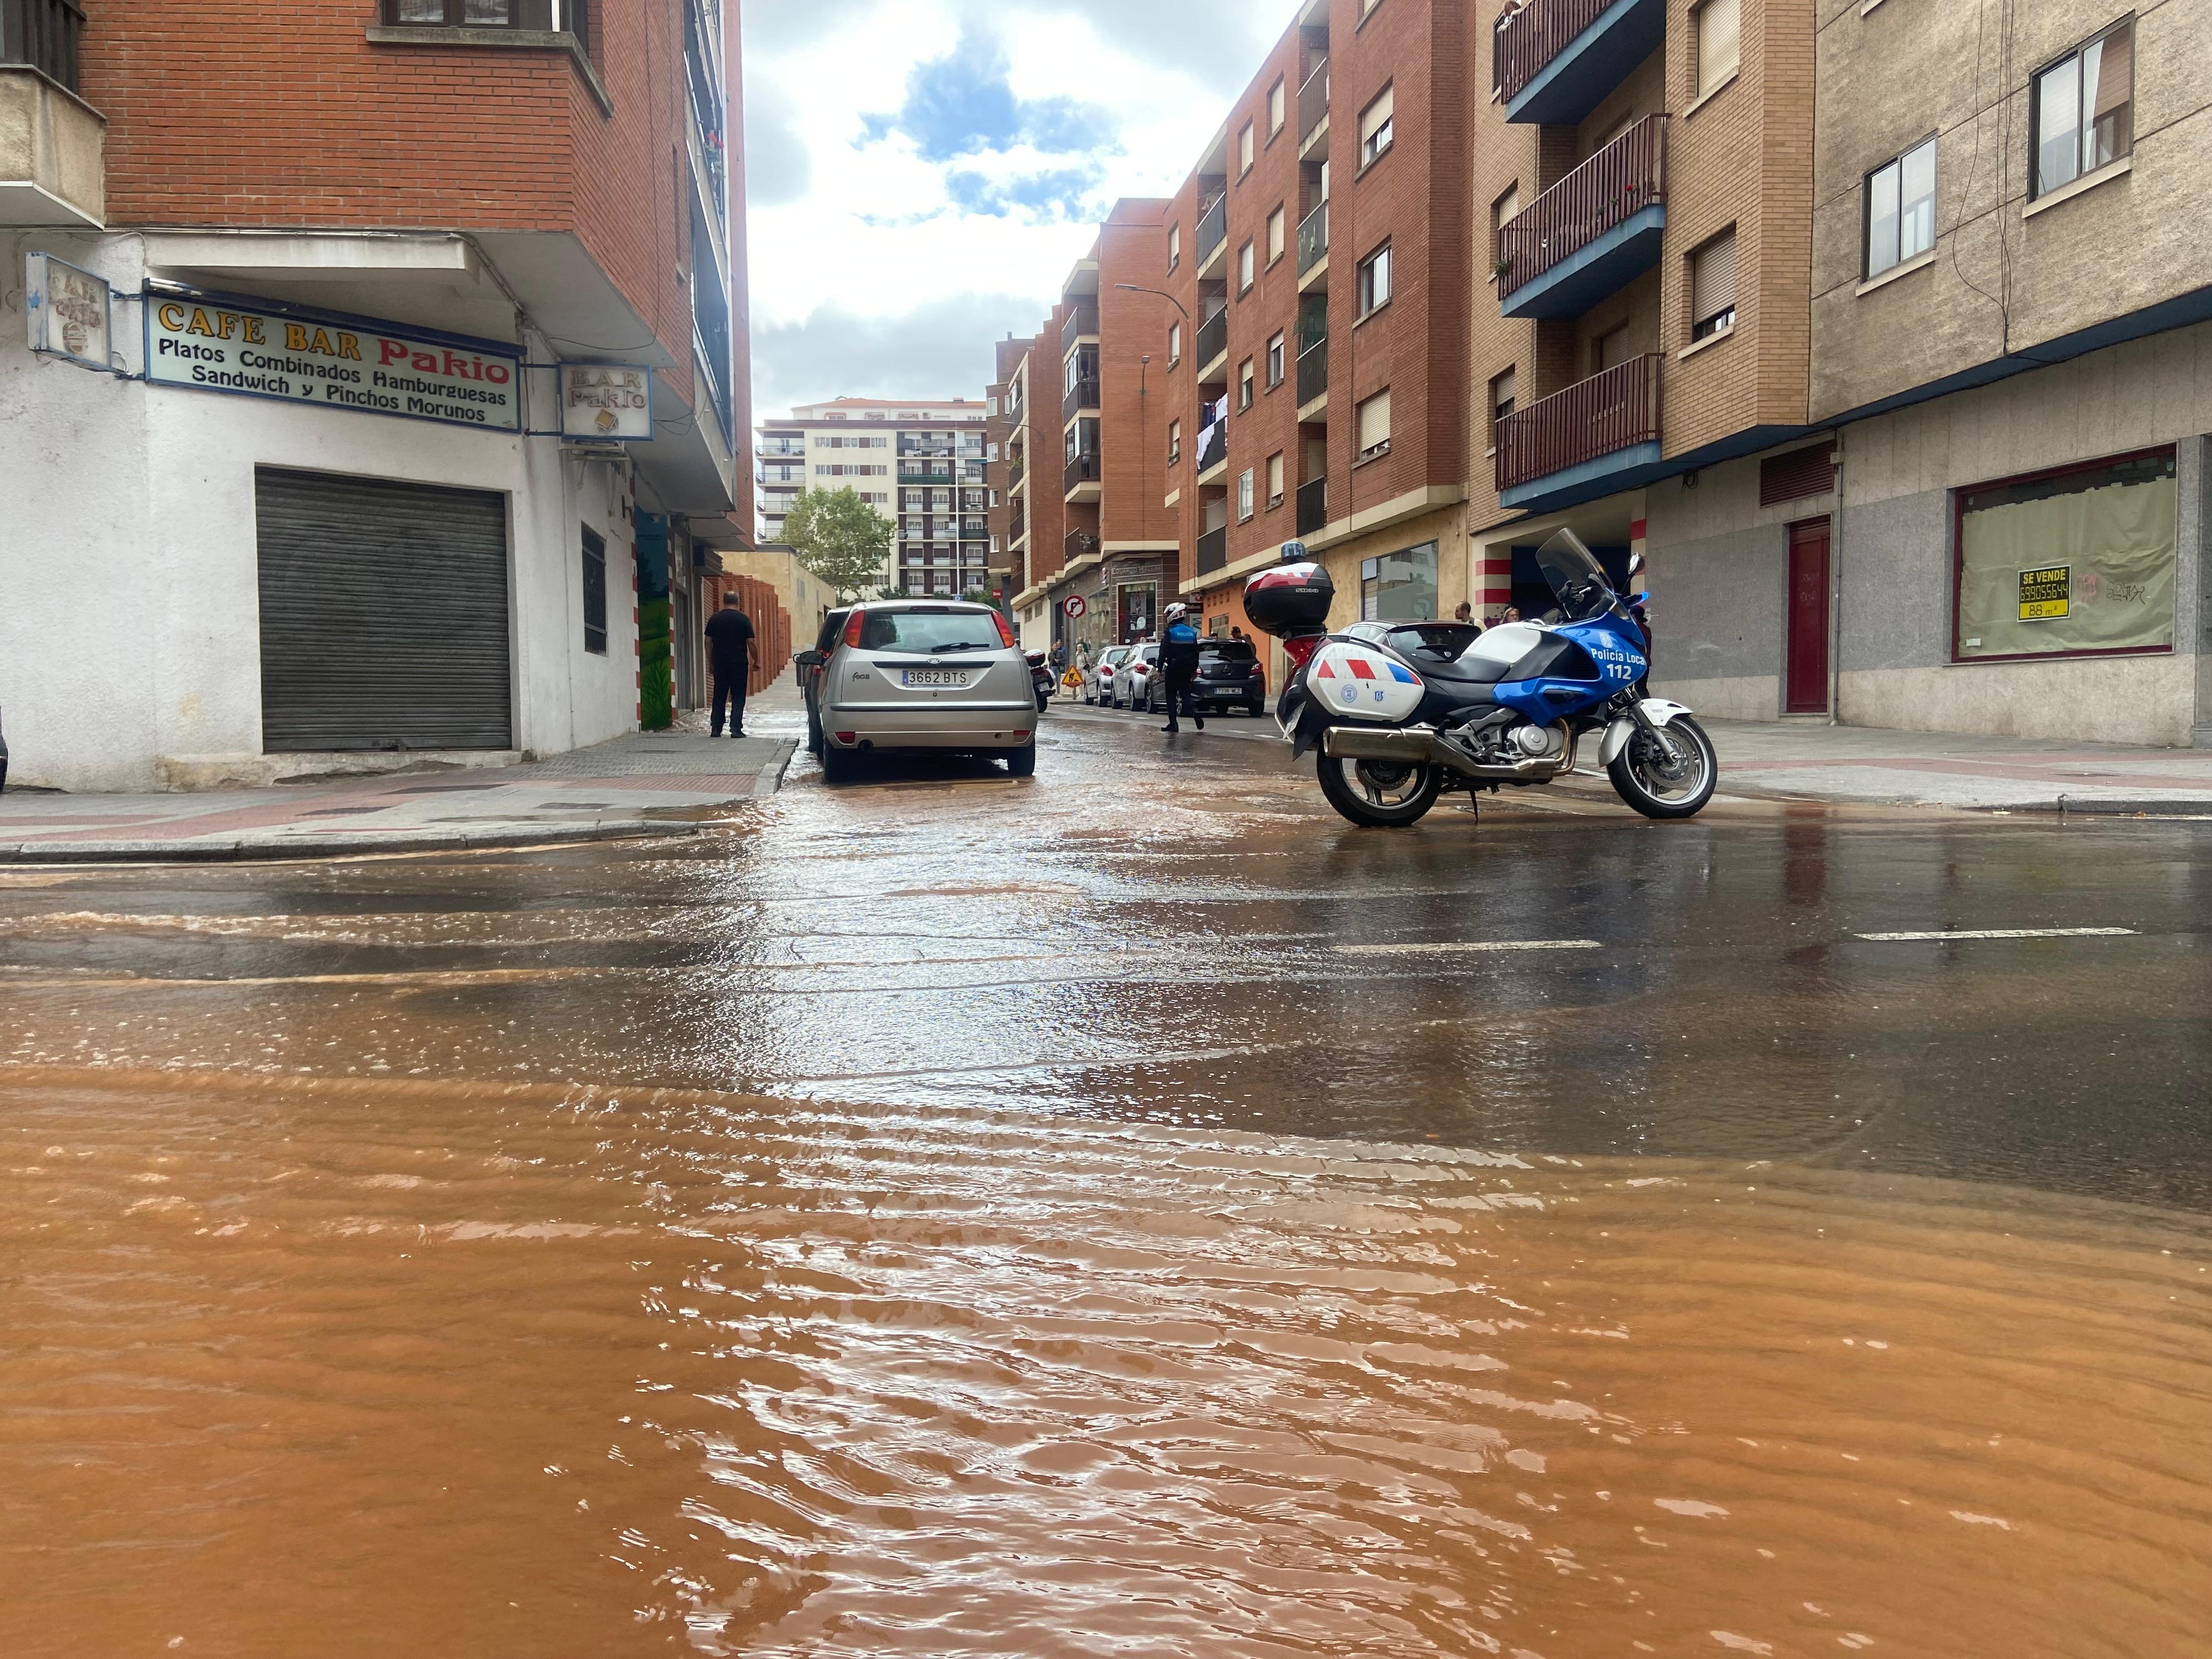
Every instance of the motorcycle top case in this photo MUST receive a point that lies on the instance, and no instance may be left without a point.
(1288, 598)
(1357, 682)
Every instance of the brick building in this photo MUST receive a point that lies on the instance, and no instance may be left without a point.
(400, 341)
(998, 428)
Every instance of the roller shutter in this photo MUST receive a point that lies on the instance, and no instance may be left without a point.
(383, 615)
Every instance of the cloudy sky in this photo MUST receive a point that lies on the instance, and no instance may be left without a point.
(920, 173)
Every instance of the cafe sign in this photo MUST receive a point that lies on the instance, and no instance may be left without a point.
(69, 310)
(606, 400)
(198, 341)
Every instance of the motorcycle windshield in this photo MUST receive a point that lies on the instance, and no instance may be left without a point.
(1577, 581)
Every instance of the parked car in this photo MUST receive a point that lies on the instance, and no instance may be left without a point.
(909, 674)
(4, 760)
(1132, 681)
(806, 666)
(1098, 678)
(1229, 677)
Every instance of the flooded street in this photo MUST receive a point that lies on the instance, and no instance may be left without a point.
(1126, 1212)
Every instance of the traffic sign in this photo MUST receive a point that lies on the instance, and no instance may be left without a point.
(1075, 607)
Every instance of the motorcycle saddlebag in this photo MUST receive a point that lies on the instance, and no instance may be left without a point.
(1289, 599)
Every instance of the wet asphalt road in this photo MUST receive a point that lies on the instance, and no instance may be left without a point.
(1180, 932)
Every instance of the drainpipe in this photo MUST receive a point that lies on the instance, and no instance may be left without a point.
(1836, 589)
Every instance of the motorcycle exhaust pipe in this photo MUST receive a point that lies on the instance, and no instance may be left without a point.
(1413, 744)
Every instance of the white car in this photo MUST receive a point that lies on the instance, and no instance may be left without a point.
(1132, 681)
(1098, 678)
(923, 674)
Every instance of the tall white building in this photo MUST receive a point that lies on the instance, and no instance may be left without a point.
(920, 463)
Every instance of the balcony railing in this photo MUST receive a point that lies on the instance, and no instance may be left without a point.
(1527, 39)
(1017, 471)
(768, 446)
(1212, 550)
(1614, 409)
(935, 448)
(1313, 506)
(43, 34)
(975, 530)
(1605, 193)
(1083, 394)
(1084, 469)
(1213, 446)
(545, 16)
(1076, 543)
(1016, 527)
(1213, 228)
(917, 473)
(1213, 337)
(1313, 371)
(1083, 321)
(1313, 237)
(1313, 101)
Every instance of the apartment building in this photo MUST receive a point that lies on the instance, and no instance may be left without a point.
(919, 462)
(998, 429)
(328, 353)
(1036, 516)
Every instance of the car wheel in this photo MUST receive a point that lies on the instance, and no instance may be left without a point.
(1255, 708)
(839, 765)
(1022, 762)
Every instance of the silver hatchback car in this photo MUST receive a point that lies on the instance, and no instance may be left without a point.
(927, 674)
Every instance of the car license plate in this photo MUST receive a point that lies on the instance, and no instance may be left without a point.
(947, 677)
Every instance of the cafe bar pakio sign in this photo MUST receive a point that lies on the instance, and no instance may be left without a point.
(210, 344)
(607, 400)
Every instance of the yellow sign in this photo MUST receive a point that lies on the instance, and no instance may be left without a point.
(2047, 594)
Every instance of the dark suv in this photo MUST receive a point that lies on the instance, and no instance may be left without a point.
(1229, 677)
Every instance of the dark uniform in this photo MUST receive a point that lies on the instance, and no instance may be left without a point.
(729, 631)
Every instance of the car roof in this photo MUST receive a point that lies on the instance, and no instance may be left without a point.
(923, 604)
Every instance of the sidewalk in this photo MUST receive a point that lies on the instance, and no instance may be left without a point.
(645, 783)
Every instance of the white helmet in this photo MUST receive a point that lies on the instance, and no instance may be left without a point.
(1175, 613)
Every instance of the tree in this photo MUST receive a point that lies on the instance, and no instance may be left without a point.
(840, 537)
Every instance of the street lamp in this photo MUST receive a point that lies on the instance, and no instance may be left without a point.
(1132, 288)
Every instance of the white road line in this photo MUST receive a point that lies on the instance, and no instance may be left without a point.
(1471, 945)
(2001, 933)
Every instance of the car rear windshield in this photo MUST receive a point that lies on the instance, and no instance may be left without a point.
(1228, 651)
(929, 630)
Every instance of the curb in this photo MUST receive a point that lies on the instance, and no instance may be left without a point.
(233, 852)
(771, 775)
(2154, 806)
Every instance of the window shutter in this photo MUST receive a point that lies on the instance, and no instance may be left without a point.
(1719, 41)
(1501, 390)
(1712, 278)
(1274, 477)
(1375, 421)
(1374, 115)
(1802, 472)
(2115, 79)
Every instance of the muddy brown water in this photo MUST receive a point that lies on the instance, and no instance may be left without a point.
(897, 1231)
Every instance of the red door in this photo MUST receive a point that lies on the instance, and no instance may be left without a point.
(1805, 691)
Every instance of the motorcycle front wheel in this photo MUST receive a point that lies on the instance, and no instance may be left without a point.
(1379, 794)
(1666, 774)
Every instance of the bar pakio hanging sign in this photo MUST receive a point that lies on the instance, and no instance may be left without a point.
(333, 362)
(607, 400)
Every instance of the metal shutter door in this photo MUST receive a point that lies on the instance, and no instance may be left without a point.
(383, 615)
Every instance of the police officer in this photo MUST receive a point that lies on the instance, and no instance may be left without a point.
(1179, 662)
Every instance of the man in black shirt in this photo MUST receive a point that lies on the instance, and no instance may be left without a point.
(731, 653)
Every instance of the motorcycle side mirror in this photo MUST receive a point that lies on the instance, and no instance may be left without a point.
(1635, 565)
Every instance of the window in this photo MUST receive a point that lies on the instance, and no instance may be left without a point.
(1712, 287)
(1719, 24)
(1901, 209)
(1373, 424)
(1503, 212)
(1275, 479)
(1275, 107)
(1175, 441)
(1175, 247)
(1400, 586)
(1275, 360)
(1375, 128)
(1502, 390)
(1610, 349)
(1244, 150)
(2084, 109)
(2060, 563)
(595, 593)
(1244, 385)
(1373, 282)
(1174, 344)
(1244, 268)
(569, 17)
(1244, 494)
(1275, 229)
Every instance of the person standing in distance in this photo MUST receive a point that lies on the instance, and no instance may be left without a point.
(732, 653)
(1179, 662)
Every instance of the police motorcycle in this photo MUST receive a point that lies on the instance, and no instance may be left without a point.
(1397, 713)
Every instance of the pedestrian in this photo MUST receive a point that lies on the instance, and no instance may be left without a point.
(733, 652)
(1465, 613)
(1179, 662)
(1239, 635)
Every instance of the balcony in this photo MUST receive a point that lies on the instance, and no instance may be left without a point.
(1081, 478)
(53, 149)
(938, 449)
(1212, 448)
(1212, 550)
(975, 530)
(1313, 373)
(1082, 323)
(1213, 232)
(1592, 233)
(1076, 544)
(1313, 238)
(1212, 342)
(1584, 436)
(925, 472)
(1083, 395)
(792, 446)
(1016, 527)
(1557, 59)
(1313, 506)
(1017, 471)
(1313, 110)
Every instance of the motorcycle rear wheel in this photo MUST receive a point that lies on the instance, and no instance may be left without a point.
(1663, 779)
(1379, 794)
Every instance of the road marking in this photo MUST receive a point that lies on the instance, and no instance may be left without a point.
(2002, 933)
(1472, 944)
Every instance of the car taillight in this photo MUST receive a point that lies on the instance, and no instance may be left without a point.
(852, 627)
(1299, 646)
(1005, 633)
